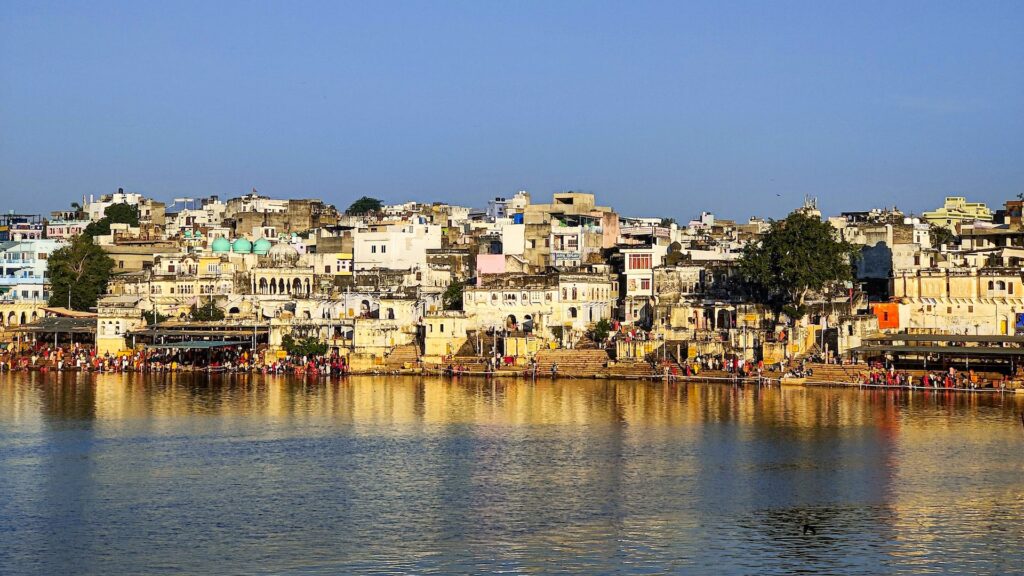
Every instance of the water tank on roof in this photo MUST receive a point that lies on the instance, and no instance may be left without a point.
(517, 218)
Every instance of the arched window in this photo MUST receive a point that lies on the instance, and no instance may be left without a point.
(991, 285)
(574, 293)
(573, 312)
(1000, 285)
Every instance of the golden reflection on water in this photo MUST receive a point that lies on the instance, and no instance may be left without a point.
(600, 473)
(397, 402)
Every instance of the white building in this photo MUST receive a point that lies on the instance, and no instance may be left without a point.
(23, 269)
(395, 246)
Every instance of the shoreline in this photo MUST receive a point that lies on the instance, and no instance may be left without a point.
(771, 381)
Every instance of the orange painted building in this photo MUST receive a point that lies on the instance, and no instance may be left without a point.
(888, 315)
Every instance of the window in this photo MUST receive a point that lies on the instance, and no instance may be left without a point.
(1009, 288)
(639, 261)
(327, 269)
(442, 327)
(373, 249)
(383, 248)
(970, 309)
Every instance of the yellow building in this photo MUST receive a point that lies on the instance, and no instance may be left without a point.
(964, 301)
(958, 210)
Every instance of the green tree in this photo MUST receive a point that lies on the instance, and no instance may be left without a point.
(309, 346)
(941, 235)
(797, 256)
(80, 269)
(452, 297)
(675, 254)
(208, 312)
(599, 333)
(667, 222)
(114, 214)
(363, 206)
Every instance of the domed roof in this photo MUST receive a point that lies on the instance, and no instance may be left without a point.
(283, 253)
(241, 246)
(261, 246)
(188, 233)
(221, 244)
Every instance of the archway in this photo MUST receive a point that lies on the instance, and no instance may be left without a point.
(233, 310)
(297, 287)
(280, 285)
(391, 313)
(263, 285)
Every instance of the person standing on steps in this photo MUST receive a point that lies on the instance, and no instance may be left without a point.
(554, 369)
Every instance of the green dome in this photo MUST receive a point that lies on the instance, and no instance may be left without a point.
(188, 233)
(261, 246)
(221, 245)
(241, 246)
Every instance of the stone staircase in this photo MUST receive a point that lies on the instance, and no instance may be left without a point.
(469, 348)
(630, 370)
(402, 355)
(835, 373)
(578, 363)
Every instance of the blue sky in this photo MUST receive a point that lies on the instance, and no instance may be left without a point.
(660, 108)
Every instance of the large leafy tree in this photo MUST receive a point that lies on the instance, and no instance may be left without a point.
(452, 297)
(208, 312)
(114, 214)
(81, 269)
(309, 346)
(363, 206)
(798, 256)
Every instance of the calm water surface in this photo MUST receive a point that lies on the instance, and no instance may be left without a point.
(226, 475)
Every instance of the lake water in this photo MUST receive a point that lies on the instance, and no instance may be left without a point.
(129, 474)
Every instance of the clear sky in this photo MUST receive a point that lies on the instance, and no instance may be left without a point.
(660, 108)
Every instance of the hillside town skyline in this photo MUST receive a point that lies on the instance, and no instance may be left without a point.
(522, 279)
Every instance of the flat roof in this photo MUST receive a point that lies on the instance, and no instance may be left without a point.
(943, 338)
(940, 350)
(194, 345)
(60, 324)
(243, 333)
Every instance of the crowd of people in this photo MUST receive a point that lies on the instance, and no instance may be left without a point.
(879, 375)
(78, 357)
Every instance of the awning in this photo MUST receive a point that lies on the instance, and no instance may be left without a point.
(58, 324)
(195, 345)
